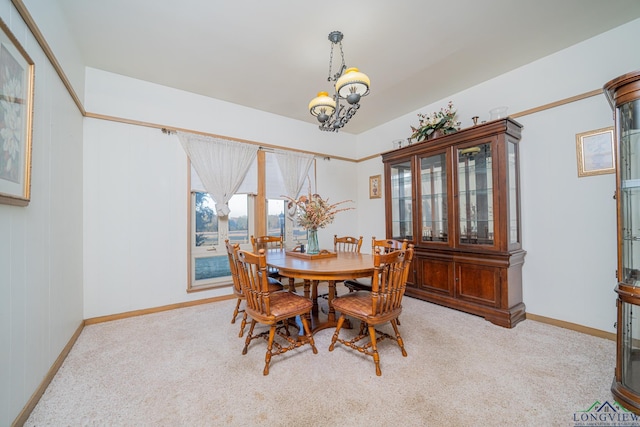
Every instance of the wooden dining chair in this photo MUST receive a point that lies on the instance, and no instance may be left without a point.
(383, 304)
(347, 243)
(232, 248)
(271, 308)
(269, 243)
(266, 243)
(385, 246)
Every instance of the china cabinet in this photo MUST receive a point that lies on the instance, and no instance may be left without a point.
(623, 94)
(456, 198)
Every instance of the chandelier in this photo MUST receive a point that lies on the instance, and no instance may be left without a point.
(350, 84)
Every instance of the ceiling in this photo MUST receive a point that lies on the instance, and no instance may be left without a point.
(274, 55)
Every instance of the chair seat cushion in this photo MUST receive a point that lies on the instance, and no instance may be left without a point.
(355, 304)
(359, 305)
(287, 304)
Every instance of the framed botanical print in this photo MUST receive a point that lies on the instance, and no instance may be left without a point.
(375, 187)
(16, 111)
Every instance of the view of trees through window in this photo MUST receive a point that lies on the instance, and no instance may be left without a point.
(209, 254)
(206, 220)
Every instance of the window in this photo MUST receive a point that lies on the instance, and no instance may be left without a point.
(209, 265)
(205, 221)
(278, 224)
(275, 217)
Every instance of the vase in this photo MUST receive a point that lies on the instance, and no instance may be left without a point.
(312, 244)
(435, 134)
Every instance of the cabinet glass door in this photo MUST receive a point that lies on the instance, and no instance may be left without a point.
(433, 191)
(629, 329)
(630, 190)
(401, 201)
(475, 195)
(512, 176)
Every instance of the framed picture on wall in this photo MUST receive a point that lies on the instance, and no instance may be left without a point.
(375, 187)
(595, 151)
(16, 111)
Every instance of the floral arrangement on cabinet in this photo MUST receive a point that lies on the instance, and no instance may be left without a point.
(443, 121)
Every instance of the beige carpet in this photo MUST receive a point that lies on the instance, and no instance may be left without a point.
(184, 368)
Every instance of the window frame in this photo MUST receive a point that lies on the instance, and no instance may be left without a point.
(216, 250)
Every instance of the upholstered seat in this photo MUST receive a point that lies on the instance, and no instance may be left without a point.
(383, 304)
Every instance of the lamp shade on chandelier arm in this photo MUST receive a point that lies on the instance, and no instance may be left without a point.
(322, 106)
(352, 85)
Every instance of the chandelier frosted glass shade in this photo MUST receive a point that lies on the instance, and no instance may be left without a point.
(322, 106)
(352, 85)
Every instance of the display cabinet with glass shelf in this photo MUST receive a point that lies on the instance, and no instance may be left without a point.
(623, 94)
(456, 198)
(433, 191)
(401, 200)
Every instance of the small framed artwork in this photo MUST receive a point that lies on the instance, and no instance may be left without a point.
(595, 150)
(16, 110)
(375, 187)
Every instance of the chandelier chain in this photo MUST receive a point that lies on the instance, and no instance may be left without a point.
(336, 76)
(330, 63)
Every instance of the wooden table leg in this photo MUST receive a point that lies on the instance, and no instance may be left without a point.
(314, 295)
(332, 294)
(307, 287)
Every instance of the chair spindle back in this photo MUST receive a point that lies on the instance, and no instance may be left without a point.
(389, 280)
(233, 266)
(252, 271)
(347, 244)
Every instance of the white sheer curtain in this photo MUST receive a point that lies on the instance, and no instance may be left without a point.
(295, 169)
(220, 163)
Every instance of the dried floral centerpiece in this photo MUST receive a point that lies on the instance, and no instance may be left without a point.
(443, 121)
(313, 212)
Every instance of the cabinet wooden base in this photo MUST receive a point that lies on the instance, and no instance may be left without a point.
(505, 318)
(625, 397)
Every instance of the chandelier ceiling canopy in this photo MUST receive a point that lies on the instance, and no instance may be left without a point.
(350, 85)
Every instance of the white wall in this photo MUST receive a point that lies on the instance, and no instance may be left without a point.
(568, 223)
(52, 25)
(135, 228)
(115, 95)
(41, 244)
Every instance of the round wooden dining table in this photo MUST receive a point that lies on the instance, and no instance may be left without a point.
(333, 268)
